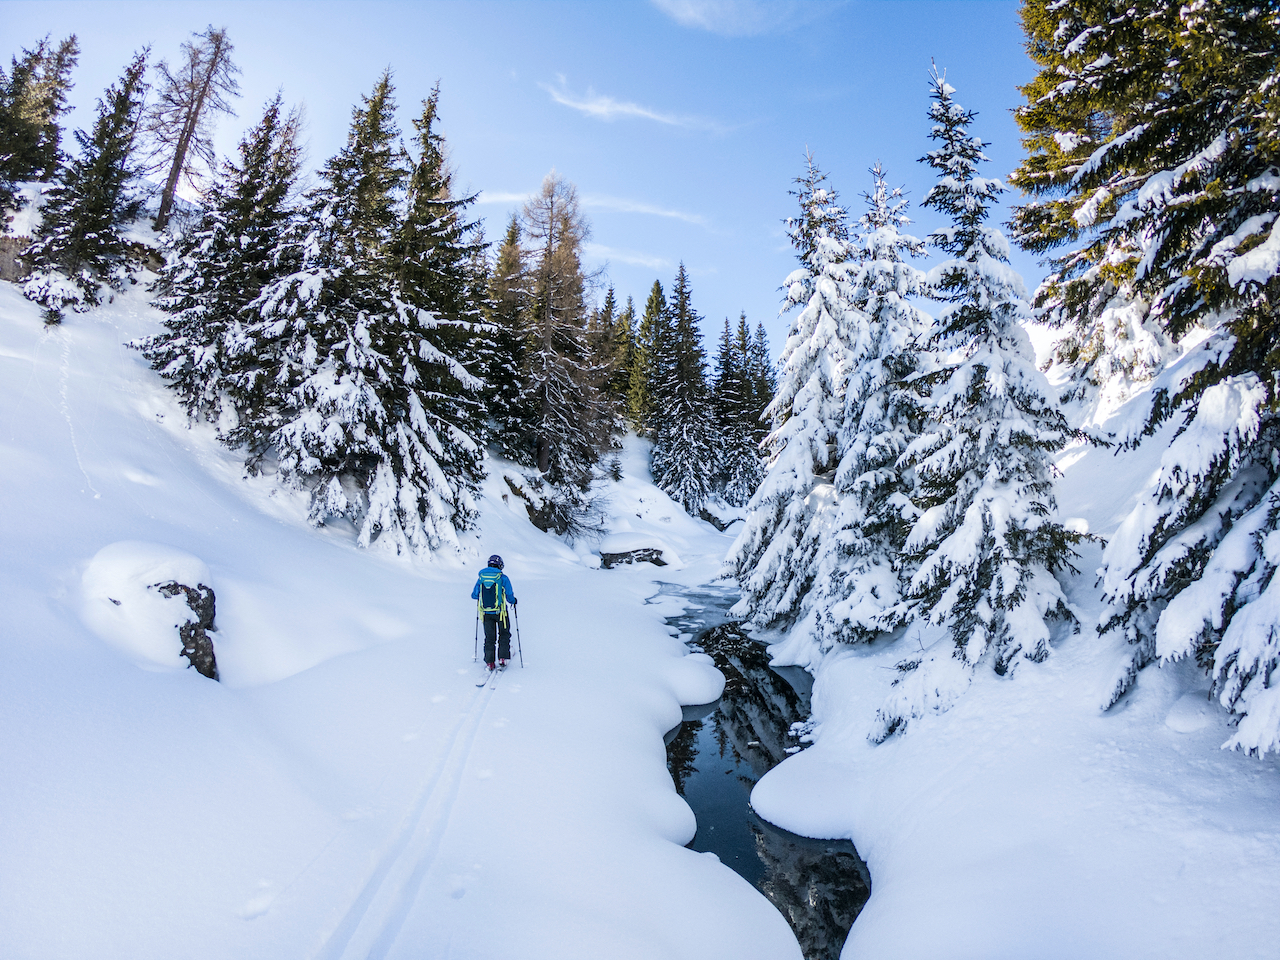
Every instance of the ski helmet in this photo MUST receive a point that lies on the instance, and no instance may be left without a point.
(495, 561)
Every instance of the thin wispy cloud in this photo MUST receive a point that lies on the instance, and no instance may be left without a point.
(496, 196)
(621, 205)
(603, 107)
(600, 252)
(744, 18)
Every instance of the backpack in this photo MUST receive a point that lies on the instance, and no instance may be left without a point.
(492, 596)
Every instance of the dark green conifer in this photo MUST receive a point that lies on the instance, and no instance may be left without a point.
(507, 400)
(610, 333)
(214, 271)
(685, 447)
(80, 243)
(439, 253)
(646, 361)
(763, 379)
(1153, 143)
(357, 420)
(33, 95)
(740, 465)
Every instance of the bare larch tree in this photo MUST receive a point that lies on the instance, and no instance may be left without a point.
(189, 97)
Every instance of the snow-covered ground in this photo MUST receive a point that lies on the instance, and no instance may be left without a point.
(347, 790)
(1025, 822)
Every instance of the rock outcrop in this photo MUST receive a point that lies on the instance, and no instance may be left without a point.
(643, 555)
(197, 646)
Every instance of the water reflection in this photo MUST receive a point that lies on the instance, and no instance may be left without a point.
(721, 750)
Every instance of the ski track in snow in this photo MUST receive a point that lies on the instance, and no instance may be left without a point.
(373, 921)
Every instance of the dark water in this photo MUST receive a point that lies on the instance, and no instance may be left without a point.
(719, 752)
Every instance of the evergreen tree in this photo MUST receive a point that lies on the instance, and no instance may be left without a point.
(600, 327)
(356, 419)
(740, 466)
(685, 450)
(80, 244)
(439, 253)
(985, 541)
(623, 352)
(188, 97)
(1111, 342)
(860, 568)
(1178, 187)
(774, 556)
(572, 421)
(763, 378)
(213, 272)
(650, 342)
(33, 95)
(610, 333)
(508, 399)
(1172, 198)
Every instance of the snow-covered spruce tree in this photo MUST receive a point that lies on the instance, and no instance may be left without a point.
(740, 466)
(440, 255)
(33, 95)
(685, 451)
(860, 568)
(1111, 343)
(215, 270)
(352, 418)
(1188, 173)
(985, 541)
(571, 418)
(774, 557)
(80, 245)
(651, 346)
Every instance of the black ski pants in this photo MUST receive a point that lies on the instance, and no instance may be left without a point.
(497, 633)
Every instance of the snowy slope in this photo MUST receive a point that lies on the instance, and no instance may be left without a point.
(1025, 822)
(347, 790)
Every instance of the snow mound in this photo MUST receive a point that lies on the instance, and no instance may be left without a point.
(120, 602)
(1190, 713)
(695, 679)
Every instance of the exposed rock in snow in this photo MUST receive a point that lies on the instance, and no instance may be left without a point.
(136, 598)
(643, 555)
(197, 645)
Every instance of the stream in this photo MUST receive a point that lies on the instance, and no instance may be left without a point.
(721, 749)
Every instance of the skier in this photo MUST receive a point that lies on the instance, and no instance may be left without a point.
(493, 592)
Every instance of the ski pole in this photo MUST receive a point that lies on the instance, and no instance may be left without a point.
(475, 647)
(519, 646)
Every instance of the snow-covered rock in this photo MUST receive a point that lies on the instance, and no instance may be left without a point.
(124, 603)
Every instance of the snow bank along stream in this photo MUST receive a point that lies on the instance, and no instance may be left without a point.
(721, 749)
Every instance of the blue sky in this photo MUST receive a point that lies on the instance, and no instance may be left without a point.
(682, 123)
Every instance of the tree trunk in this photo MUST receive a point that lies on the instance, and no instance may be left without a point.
(189, 126)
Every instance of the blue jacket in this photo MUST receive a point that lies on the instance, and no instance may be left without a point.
(504, 583)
